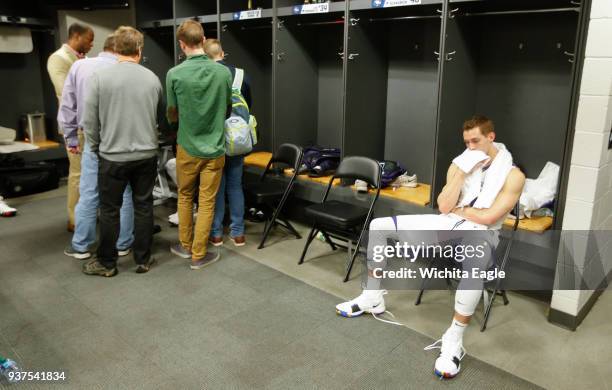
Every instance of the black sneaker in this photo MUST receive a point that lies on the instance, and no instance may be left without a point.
(94, 267)
(144, 268)
(70, 251)
(209, 258)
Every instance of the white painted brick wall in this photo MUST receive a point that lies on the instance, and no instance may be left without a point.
(566, 301)
(590, 149)
(592, 113)
(598, 44)
(577, 215)
(589, 193)
(596, 76)
(601, 9)
(582, 183)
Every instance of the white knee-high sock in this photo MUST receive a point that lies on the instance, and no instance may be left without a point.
(456, 330)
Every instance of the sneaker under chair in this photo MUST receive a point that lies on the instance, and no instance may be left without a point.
(270, 195)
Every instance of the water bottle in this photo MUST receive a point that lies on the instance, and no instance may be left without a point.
(7, 366)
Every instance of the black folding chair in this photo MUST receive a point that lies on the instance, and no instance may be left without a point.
(502, 258)
(271, 195)
(341, 220)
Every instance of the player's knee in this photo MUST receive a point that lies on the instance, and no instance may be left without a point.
(466, 301)
(382, 224)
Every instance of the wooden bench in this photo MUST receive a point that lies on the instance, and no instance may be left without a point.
(47, 144)
(419, 195)
(258, 159)
(535, 224)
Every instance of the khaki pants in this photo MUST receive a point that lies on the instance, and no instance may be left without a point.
(188, 170)
(74, 177)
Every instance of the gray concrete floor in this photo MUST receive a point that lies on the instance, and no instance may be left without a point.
(518, 340)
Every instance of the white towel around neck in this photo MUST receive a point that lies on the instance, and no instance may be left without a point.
(486, 189)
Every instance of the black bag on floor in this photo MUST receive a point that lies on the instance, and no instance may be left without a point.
(19, 178)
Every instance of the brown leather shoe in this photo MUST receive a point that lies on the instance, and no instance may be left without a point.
(215, 241)
(70, 227)
(238, 241)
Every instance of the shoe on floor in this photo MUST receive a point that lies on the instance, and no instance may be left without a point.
(370, 301)
(173, 219)
(70, 251)
(124, 252)
(180, 251)
(215, 241)
(361, 186)
(144, 268)
(448, 363)
(156, 229)
(6, 210)
(255, 215)
(238, 240)
(209, 258)
(94, 267)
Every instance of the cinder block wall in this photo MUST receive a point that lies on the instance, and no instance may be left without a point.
(589, 192)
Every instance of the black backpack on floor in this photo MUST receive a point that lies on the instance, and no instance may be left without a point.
(19, 178)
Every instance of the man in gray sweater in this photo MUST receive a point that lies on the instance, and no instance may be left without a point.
(120, 125)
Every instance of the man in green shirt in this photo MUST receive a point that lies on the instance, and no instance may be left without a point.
(199, 99)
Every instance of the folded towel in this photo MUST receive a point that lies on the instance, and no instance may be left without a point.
(537, 193)
(469, 158)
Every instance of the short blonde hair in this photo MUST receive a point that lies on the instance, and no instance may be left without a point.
(213, 48)
(109, 43)
(128, 41)
(485, 124)
(191, 33)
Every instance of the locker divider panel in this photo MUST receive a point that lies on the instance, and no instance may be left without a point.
(158, 56)
(458, 100)
(412, 95)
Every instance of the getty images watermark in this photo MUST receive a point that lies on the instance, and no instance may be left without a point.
(409, 252)
(428, 259)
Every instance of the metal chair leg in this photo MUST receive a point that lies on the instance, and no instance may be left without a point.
(504, 297)
(290, 227)
(311, 236)
(488, 311)
(352, 258)
(268, 227)
(423, 285)
(329, 241)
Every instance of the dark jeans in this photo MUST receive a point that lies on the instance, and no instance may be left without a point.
(113, 177)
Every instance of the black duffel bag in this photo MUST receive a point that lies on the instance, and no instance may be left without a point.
(19, 178)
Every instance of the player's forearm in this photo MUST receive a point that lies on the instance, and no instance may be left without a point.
(481, 216)
(447, 200)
